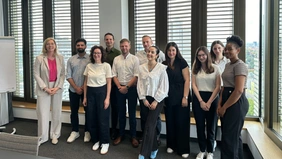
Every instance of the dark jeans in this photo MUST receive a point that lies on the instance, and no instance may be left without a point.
(98, 117)
(231, 125)
(150, 142)
(114, 108)
(144, 113)
(131, 97)
(178, 128)
(205, 122)
(75, 101)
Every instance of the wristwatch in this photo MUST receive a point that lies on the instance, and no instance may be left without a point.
(186, 97)
(127, 87)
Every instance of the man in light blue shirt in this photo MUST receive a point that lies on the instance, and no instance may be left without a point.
(75, 68)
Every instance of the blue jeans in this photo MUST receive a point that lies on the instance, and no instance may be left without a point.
(131, 96)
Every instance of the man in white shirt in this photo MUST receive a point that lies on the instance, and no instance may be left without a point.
(125, 74)
(142, 56)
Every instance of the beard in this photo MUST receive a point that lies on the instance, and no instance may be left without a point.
(80, 50)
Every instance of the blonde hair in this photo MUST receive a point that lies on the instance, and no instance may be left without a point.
(44, 51)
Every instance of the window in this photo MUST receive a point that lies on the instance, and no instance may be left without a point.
(179, 26)
(144, 21)
(219, 20)
(15, 29)
(277, 113)
(90, 22)
(35, 35)
(62, 33)
(252, 55)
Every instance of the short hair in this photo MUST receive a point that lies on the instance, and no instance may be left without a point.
(146, 36)
(235, 39)
(110, 35)
(44, 51)
(80, 40)
(92, 60)
(124, 40)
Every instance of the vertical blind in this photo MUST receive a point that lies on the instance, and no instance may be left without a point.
(179, 26)
(144, 21)
(90, 22)
(15, 30)
(220, 20)
(35, 22)
(62, 33)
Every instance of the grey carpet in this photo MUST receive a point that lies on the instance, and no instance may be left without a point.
(80, 150)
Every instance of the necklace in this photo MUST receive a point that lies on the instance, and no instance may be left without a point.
(151, 68)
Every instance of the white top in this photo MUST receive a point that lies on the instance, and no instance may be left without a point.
(154, 83)
(125, 68)
(222, 63)
(97, 74)
(207, 82)
(142, 56)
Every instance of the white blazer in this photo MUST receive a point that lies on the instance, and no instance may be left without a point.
(41, 74)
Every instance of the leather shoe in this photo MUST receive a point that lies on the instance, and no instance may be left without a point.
(134, 142)
(117, 140)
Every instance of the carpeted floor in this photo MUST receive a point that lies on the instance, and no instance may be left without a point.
(80, 150)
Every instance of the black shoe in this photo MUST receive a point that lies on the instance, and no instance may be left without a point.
(114, 135)
(159, 142)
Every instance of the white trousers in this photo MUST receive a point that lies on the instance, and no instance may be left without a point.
(44, 103)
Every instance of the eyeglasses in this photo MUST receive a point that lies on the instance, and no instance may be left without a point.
(97, 53)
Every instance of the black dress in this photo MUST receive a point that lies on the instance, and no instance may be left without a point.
(177, 117)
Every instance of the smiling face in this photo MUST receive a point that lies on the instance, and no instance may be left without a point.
(152, 54)
(147, 42)
(50, 46)
(97, 55)
(171, 52)
(109, 41)
(231, 51)
(218, 50)
(202, 56)
(125, 47)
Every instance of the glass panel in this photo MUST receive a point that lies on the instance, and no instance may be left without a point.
(252, 55)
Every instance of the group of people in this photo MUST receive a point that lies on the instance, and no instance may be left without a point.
(109, 78)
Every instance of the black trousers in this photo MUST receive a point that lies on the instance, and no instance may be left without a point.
(231, 125)
(150, 142)
(98, 117)
(75, 101)
(205, 121)
(178, 128)
(114, 108)
(144, 113)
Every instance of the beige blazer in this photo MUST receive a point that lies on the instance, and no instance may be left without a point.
(41, 74)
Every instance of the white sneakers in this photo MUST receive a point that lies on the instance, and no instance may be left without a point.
(210, 156)
(104, 147)
(186, 155)
(74, 135)
(96, 146)
(201, 155)
(169, 150)
(87, 136)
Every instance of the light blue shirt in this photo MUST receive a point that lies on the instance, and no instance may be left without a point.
(75, 68)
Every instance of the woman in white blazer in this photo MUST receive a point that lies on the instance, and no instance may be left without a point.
(49, 73)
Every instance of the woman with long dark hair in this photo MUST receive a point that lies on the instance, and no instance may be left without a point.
(177, 105)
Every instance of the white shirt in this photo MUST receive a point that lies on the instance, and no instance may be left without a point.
(142, 56)
(154, 83)
(207, 82)
(97, 74)
(125, 68)
(222, 63)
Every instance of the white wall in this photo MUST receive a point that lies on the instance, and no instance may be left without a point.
(114, 19)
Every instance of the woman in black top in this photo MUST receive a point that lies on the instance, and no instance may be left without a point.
(233, 104)
(177, 104)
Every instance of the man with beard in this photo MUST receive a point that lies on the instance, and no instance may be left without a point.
(75, 68)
